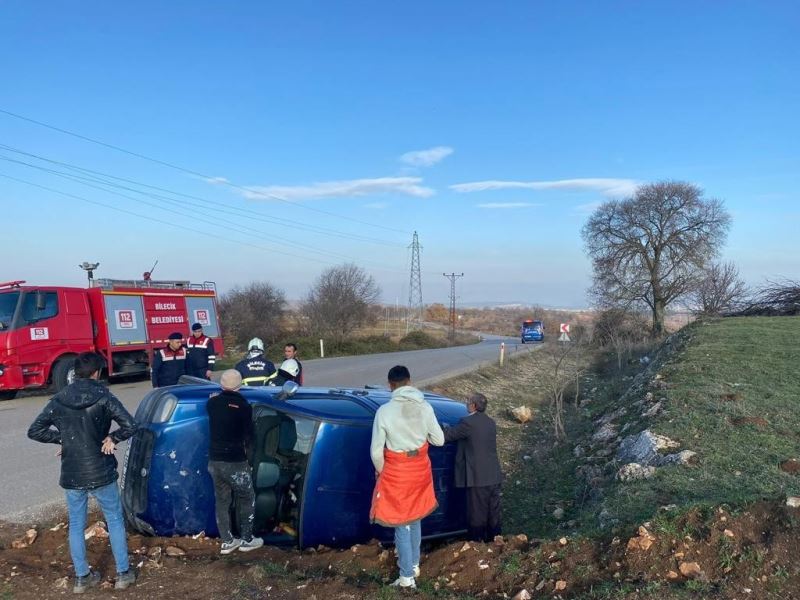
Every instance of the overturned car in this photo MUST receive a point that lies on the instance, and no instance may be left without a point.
(312, 472)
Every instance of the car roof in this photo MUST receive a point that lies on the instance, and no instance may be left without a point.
(329, 404)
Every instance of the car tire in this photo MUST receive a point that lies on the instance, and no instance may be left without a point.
(8, 394)
(523, 341)
(63, 373)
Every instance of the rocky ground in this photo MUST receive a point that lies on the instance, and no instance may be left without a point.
(719, 553)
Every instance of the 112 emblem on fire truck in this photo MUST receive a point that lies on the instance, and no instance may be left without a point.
(126, 319)
(40, 333)
(201, 316)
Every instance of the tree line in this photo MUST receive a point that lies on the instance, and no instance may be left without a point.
(341, 299)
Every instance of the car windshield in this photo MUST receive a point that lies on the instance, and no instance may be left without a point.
(8, 304)
(532, 325)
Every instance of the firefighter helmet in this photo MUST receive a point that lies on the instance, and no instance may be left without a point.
(291, 367)
(255, 344)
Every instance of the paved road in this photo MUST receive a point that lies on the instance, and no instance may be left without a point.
(29, 470)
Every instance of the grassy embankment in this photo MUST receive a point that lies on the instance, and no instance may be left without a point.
(730, 391)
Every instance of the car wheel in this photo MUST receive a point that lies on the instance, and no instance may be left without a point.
(8, 394)
(63, 373)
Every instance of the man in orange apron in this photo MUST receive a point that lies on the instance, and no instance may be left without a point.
(404, 495)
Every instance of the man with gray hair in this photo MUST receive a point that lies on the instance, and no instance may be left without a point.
(230, 422)
(478, 468)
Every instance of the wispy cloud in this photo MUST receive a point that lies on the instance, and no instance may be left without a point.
(426, 158)
(584, 210)
(409, 186)
(216, 180)
(607, 187)
(507, 204)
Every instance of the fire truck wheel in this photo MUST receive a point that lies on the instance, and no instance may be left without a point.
(63, 373)
(8, 394)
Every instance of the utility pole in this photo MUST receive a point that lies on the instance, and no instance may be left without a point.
(415, 284)
(452, 277)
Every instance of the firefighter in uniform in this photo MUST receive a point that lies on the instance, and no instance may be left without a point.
(169, 363)
(255, 368)
(201, 358)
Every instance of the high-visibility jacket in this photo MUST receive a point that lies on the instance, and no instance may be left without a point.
(168, 366)
(201, 356)
(404, 489)
(256, 370)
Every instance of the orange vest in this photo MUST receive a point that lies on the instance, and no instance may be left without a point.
(404, 489)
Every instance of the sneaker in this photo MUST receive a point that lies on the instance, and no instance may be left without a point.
(416, 571)
(404, 582)
(256, 542)
(84, 582)
(125, 579)
(228, 547)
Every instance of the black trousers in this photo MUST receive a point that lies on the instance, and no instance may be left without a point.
(484, 512)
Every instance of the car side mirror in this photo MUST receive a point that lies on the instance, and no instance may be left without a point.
(288, 390)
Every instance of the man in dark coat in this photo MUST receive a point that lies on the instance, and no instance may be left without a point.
(478, 468)
(201, 356)
(169, 363)
(79, 419)
(230, 424)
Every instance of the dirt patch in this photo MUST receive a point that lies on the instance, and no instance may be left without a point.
(731, 397)
(791, 466)
(703, 550)
(759, 422)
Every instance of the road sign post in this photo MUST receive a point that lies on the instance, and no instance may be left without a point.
(564, 329)
(502, 352)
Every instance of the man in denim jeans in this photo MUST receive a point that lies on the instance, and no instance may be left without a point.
(404, 494)
(79, 419)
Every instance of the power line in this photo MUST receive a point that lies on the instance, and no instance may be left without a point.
(232, 225)
(193, 172)
(243, 212)
(163, 222)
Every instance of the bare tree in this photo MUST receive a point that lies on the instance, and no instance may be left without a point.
(341, 300)
(649, 249)
(255, 310)
(619, 329)
(561, 366)
(719, 290)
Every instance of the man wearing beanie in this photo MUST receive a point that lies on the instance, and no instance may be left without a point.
(169, 363)
(200, 353)
(230, 423)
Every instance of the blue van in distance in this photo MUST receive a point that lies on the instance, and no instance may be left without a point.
(532, 331)
(312, 472)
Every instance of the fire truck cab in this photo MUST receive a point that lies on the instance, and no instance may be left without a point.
(43, 328)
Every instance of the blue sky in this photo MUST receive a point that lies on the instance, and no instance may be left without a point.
(395, 115)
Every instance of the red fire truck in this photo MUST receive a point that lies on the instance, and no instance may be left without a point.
(43, 328)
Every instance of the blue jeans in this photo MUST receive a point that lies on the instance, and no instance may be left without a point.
(108, 499)
(407, 540)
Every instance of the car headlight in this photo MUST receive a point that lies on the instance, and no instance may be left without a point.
(166, 406)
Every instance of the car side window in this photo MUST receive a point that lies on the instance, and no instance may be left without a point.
(305, 434)
(30, 312)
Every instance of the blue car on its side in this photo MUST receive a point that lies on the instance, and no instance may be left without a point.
(312, 472)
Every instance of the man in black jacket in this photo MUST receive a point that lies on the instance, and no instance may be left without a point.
(169, 363)
(201, 356)
(79, 419)
(478, 468)
(230, 424)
